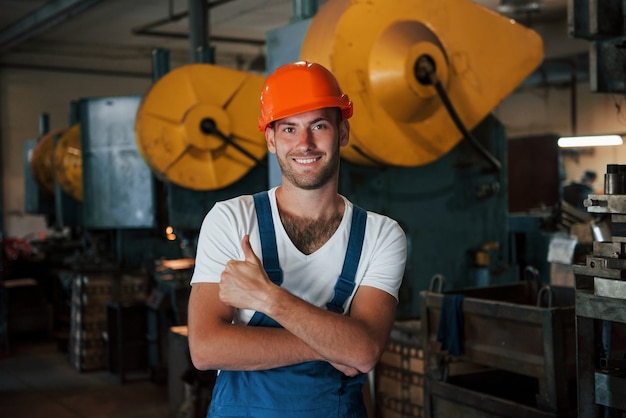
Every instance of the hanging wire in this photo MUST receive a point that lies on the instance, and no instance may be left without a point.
(426, 74)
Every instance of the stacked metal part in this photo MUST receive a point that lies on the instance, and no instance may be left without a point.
(607, 263)
(600, 305)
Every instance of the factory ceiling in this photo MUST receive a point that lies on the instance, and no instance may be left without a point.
(119, 36)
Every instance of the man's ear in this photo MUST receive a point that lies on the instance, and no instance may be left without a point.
(269, 139)
(344, 132)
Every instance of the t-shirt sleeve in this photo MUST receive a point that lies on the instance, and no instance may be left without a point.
(385, 268)
(219, 241)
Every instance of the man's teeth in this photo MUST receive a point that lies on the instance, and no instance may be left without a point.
(305, 160)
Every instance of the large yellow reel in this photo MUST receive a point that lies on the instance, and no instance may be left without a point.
(196, 127)
(68, 163)
(372, 47)
(42, 162)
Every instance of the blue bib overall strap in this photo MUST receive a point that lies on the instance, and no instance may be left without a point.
(268, 249)
(268, 237)
(345, 282)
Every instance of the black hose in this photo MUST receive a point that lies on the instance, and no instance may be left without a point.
(208, 127)
(426, 74)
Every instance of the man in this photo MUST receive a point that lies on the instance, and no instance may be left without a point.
(575, 193)
(268, 307)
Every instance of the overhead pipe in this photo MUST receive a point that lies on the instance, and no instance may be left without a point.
(304, 9)
(199, 45)
(44, 18)
(160, 63)
(44, 124)
(574, 101)
(149, 29)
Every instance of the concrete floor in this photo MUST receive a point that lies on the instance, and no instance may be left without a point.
(36, 379)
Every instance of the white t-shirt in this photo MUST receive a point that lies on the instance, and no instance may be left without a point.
(310, 277)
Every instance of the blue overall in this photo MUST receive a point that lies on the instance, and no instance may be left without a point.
(312, 389)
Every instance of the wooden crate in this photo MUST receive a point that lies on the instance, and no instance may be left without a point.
(91, 291)
(488, 394)
(399, 376)
(504, 329)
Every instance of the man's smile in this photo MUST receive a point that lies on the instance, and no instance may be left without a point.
(308, 160)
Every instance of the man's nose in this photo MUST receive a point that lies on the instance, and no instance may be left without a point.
(305, 139)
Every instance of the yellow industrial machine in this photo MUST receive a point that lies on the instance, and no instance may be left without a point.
(42, 161)
(196, 127)
(377, 53)
(68, 166)
(57, 159)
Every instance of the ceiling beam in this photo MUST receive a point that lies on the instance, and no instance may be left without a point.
(42, 19)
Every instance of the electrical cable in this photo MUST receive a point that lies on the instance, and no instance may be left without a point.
(426, 74)
(208, 127)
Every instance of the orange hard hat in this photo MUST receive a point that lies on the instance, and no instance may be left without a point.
(300, 87)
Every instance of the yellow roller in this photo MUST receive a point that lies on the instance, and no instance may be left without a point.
(68, 164)
(42, 163)
(170, 120)
(372, 47)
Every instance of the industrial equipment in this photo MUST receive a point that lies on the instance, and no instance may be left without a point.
(195, 127)
(68, 164)
(53, 176)
(196, 130)
(106, 225)
(600, 301)
(599, 278)
(42, 161)
(393, 62)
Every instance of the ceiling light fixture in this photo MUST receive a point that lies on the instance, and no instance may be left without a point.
(519, 6)
(589, 141)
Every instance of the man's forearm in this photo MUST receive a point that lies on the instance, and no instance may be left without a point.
(353, 341)
(216, 343)
(256, 348)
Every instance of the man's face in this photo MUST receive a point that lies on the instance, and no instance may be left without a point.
(307, 146)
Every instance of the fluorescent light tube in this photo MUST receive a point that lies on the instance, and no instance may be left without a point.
(590, 141)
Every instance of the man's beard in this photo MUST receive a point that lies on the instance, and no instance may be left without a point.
(311, 181)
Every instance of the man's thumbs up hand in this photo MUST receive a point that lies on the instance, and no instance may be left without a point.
(244, 284)
(248, 252)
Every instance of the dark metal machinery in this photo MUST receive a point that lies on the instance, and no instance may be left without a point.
(599, 282)
(600, 307)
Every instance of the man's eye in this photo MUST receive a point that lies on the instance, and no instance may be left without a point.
(288, 130)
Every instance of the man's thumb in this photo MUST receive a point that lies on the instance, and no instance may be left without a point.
(248, 252)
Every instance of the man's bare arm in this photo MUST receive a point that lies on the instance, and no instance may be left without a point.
(215, 343)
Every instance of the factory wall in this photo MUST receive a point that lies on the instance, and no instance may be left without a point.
(541, 110)
(26, 94)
